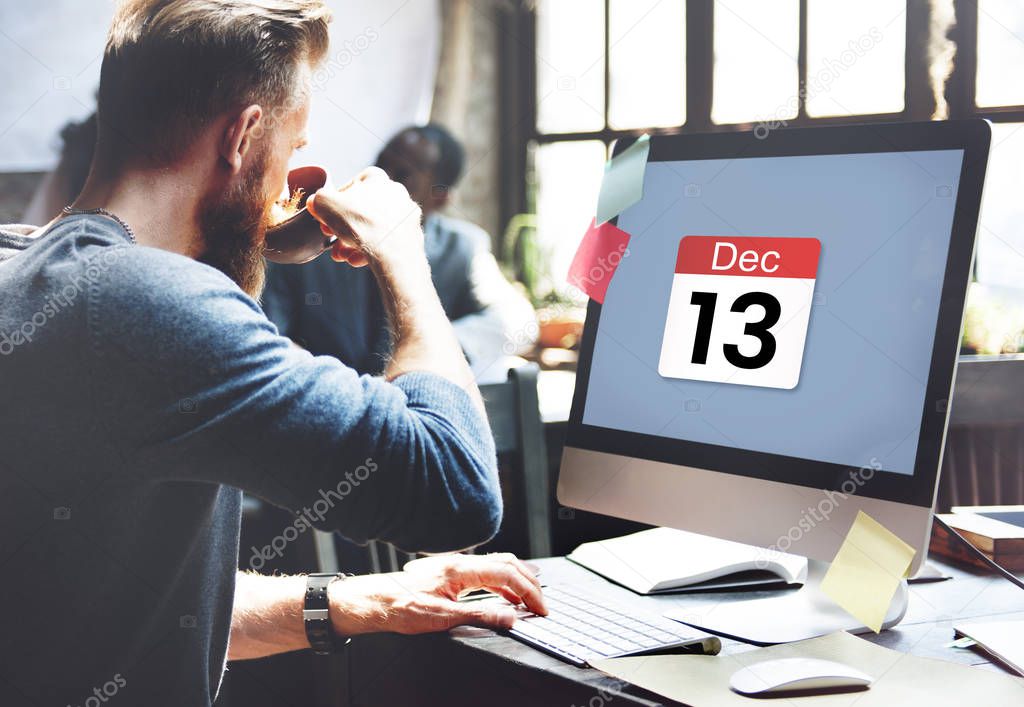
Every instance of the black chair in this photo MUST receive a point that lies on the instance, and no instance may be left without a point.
(514, 413)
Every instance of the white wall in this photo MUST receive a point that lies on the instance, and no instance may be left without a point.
(50, 52)
(379, 77)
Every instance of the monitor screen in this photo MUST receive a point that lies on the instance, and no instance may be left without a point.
(784, 305)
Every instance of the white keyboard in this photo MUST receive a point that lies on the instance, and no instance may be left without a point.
(580, 627)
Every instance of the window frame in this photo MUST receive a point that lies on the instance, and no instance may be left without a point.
(961, 89)
(918, 103)
(700, 78)
(519, 81)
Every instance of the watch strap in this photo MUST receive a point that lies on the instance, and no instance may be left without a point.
(316, 614)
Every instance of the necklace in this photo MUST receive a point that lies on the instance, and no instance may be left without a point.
(69, 211)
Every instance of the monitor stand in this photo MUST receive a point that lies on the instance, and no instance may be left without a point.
(790, 616)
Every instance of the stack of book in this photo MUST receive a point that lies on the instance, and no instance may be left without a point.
(998, 531)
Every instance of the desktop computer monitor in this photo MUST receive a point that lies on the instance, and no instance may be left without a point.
(777, 347)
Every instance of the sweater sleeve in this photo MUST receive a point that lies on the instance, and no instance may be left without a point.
(198, 386)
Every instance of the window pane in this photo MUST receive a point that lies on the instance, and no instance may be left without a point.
(568, 179)
(648, 63)
(1000, 53)
(1001, 233)
(855, 56)
(756, 46)
(570, 65)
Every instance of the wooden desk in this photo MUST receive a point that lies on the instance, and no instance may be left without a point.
(476, 667)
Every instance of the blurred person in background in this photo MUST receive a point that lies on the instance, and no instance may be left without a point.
(60, 187)
(338, 311)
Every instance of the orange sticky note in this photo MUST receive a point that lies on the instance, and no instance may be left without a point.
(601, 250)
(867, 570)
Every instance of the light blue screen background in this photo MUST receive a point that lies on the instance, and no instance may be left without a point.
(884, 222)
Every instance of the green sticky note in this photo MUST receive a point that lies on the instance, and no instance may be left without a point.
(623, 183)
(867, 570)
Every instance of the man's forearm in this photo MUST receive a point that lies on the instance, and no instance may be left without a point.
(267, 616)
(424, 338)
(379, 225)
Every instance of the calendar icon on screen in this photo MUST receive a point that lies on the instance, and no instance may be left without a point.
(739, 310)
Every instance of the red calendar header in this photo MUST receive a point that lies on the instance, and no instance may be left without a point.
(749, 256)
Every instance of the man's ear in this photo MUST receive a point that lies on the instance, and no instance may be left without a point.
(239, 135)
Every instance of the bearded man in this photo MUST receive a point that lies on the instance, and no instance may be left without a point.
(144, 389)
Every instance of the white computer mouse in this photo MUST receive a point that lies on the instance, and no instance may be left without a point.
(788, 674)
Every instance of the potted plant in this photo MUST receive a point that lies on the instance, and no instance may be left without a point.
(560, 310)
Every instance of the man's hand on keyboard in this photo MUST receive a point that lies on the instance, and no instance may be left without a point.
(424, 597)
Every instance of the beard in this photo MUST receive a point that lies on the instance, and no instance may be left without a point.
(233, 227)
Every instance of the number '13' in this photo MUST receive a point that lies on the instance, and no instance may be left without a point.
(759, 329)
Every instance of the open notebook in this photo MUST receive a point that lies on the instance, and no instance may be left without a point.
(663, 560)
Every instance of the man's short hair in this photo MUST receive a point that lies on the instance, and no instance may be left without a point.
(452, 155)
(172, 66)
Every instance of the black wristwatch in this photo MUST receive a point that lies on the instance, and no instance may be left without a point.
(316, 616)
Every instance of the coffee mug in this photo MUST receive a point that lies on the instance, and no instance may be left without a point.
(298, 239)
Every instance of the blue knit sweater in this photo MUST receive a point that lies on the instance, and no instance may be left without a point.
(143, 391)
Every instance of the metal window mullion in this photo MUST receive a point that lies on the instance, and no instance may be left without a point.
(1002, 114)
(961, 86)
(607, 62)
(700, 64)
(918, 98)
(801, 64)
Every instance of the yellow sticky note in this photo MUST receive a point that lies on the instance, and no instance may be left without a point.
(867, 570)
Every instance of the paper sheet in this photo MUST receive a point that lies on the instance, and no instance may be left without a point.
(867, 570)
(1003, 639)
(900, 679)
(623, 183)
(601, 250)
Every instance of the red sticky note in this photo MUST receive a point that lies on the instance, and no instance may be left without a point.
(601, 250)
